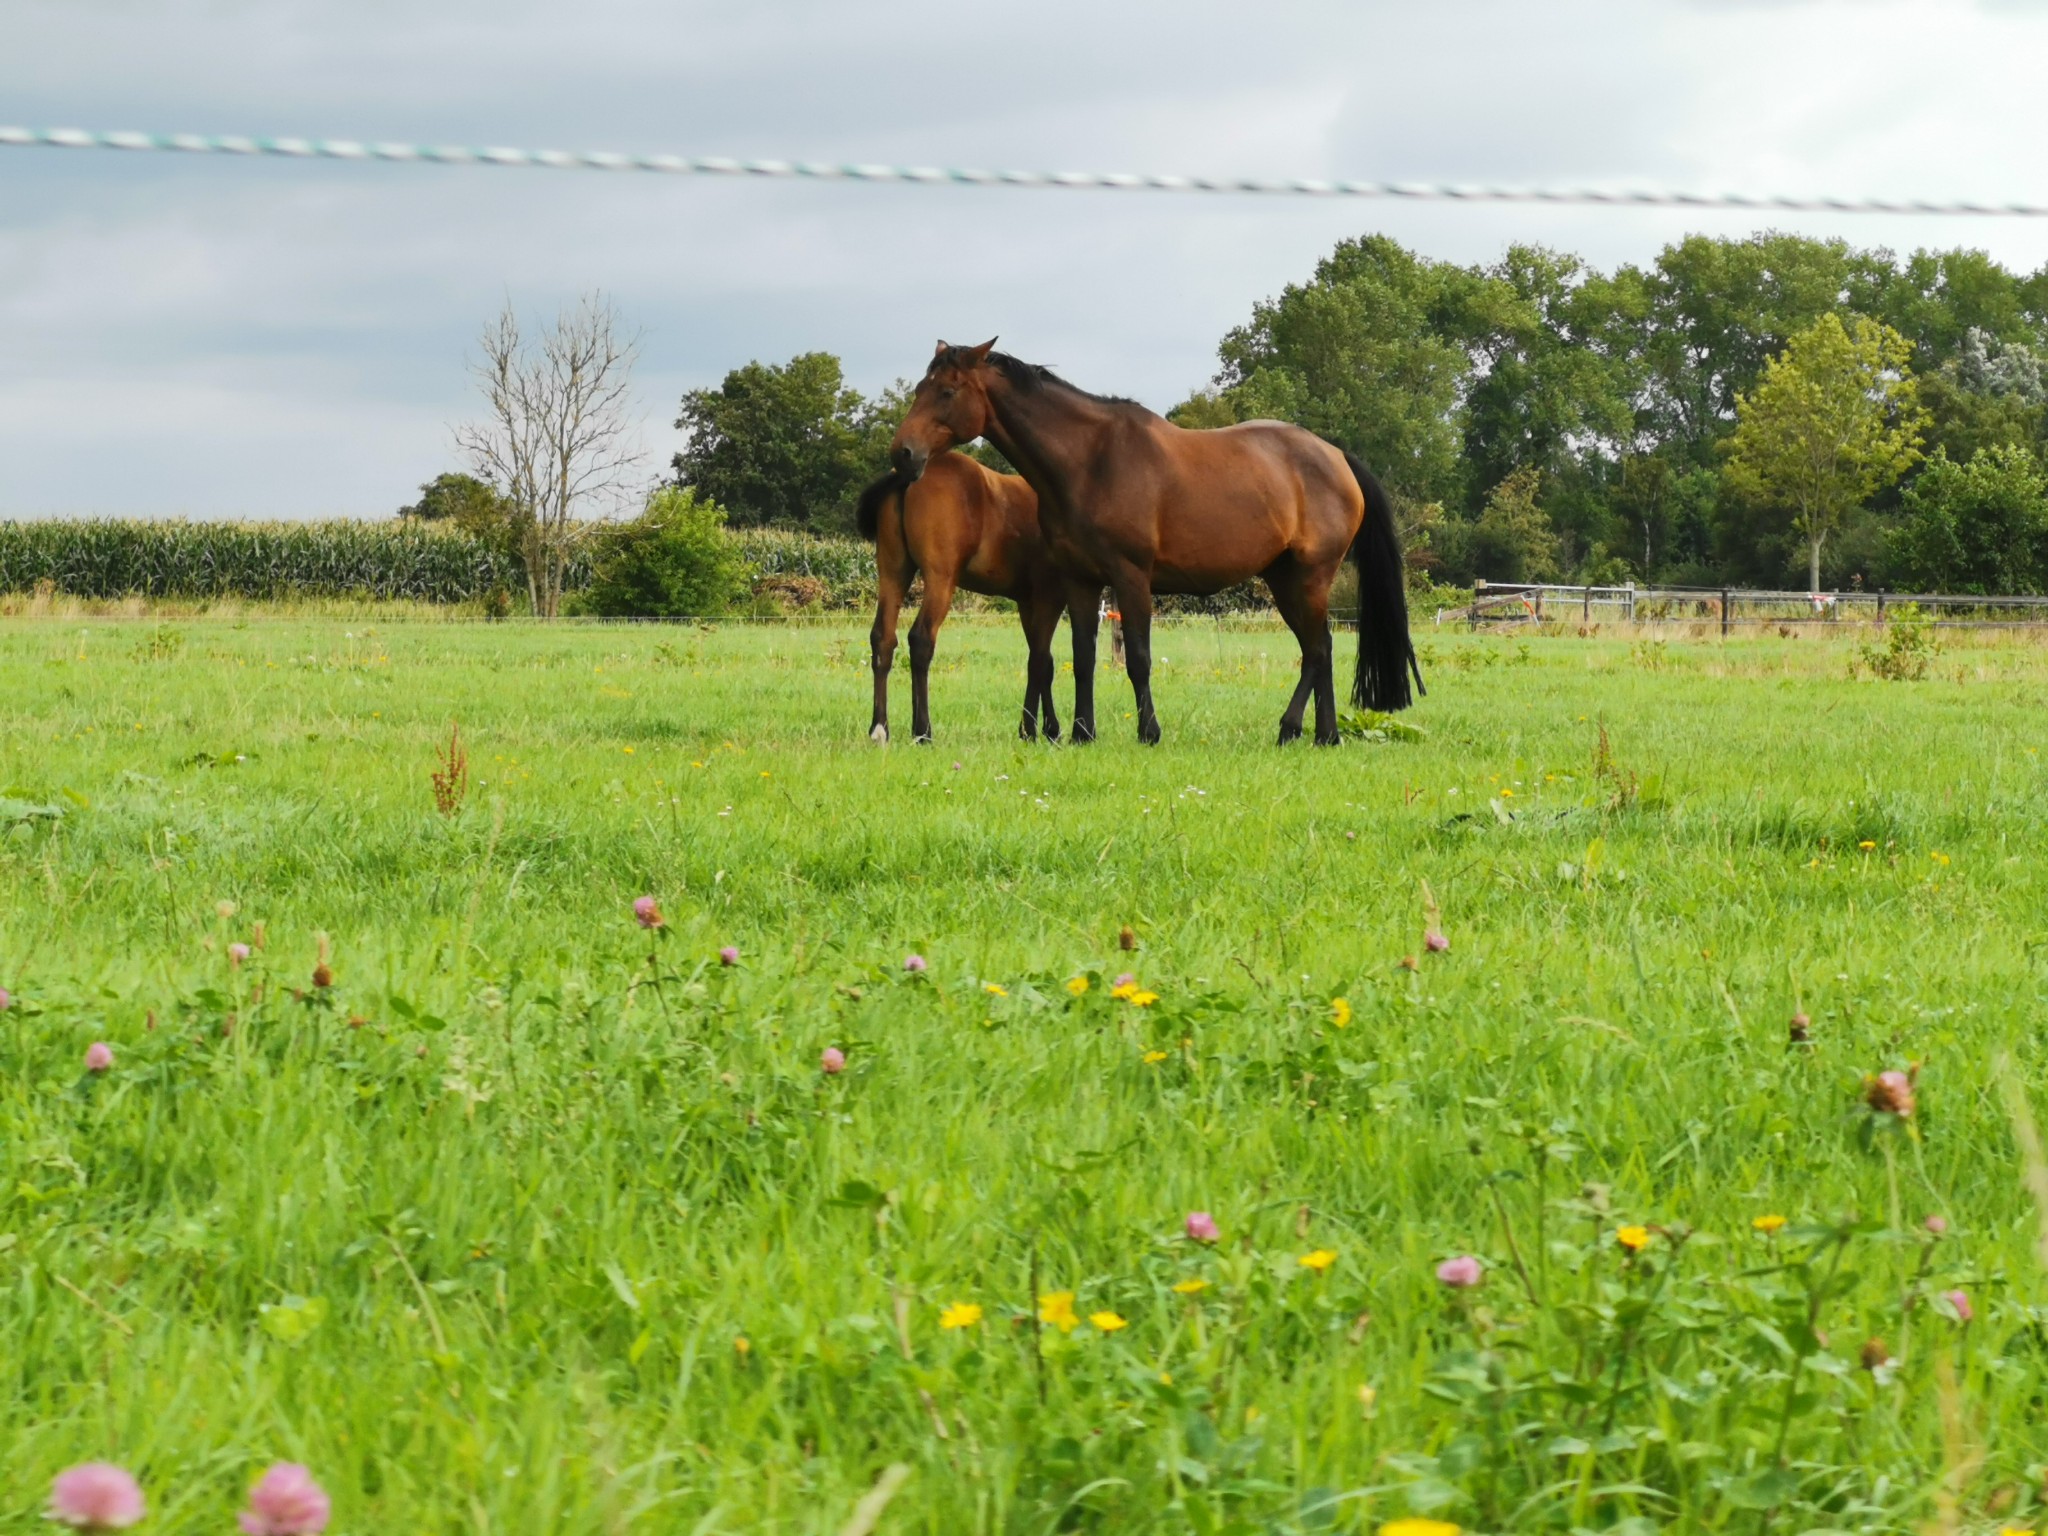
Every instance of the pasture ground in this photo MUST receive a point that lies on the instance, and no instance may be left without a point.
(534, 1222)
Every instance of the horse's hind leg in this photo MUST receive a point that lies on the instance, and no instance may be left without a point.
(1303, 598)
(882, 645)
(924, 639)
(1134, 599)
(1040, 612)
(1084, 613)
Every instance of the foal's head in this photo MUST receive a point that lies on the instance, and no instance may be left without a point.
(950, 406)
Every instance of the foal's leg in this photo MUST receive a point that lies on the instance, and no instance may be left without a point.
(882, 644)
(924, 639)
(1134, 599)
(1084, 601)
(1040, 612)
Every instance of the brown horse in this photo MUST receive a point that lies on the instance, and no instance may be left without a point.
(1128, 500)
(964, 526)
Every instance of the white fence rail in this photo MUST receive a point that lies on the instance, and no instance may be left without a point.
(1733, 608)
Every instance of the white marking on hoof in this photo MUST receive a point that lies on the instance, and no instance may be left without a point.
(879, 733)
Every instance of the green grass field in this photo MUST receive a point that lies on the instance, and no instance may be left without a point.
(533, 1221)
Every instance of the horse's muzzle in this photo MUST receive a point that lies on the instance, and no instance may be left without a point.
(908, 462)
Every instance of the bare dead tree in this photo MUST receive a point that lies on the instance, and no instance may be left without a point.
(558, 438)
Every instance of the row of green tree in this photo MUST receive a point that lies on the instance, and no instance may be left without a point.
(1769, 410)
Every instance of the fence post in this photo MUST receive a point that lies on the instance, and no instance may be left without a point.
(1880, 606)
(1586, 615)
(1472, 618)
(1726, 600)
(1630, 601)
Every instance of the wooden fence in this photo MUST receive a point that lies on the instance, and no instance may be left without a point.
(1732, 608)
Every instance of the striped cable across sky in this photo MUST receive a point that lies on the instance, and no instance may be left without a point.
(1108, 181)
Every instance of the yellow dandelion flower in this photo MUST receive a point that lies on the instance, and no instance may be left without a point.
(1634, 1239)
(1191, 1287)
(1340, 1011)
(1318, 1261)
(1057, 1308)
(1866, 845)
(1077, 985)
(742, 1346)
(1153, 1058)
(1768, 1224)
(1417, 1526)
(961, 1314)
(1108, 1322)
(1144, 999)
(1124, 989)
(993, 990)
(1939, 858)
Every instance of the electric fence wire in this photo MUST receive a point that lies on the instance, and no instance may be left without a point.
(1105, 181)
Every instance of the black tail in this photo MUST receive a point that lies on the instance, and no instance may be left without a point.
(1385, 653)
(867, 512)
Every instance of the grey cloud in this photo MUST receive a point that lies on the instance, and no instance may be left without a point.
(261, 338)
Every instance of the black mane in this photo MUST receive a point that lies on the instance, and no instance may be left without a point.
(1032, 376)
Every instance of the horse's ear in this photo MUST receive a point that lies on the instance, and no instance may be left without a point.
(974, 357)
(940, 350)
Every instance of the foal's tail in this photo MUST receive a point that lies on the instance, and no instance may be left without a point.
(1386, 655)
(867, 512)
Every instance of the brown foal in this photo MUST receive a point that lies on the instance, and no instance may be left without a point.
(965, 527)
(1129, 500)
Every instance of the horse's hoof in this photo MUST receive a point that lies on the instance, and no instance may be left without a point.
(1084, 733)
(879, 734)
(925, 740)
(1148, 735)
(1332, 740)
(1052, 730)
(1289, 733)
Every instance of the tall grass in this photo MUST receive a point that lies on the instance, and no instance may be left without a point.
(537, 1221)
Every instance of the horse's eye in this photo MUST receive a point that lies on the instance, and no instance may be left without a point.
(948, 393)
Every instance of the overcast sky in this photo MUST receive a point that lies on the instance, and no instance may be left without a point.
(239, 338)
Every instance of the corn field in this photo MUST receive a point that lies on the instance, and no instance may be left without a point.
(109, 558)
(846, 566)
(400, 559)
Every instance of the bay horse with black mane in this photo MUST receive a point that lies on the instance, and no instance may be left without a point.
(1128, 500)
(965, 527)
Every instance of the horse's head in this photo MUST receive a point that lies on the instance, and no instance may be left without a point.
(950, 406)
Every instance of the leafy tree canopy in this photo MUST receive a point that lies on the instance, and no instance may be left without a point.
(462, 500)
(1835, 417)
(789, 444)
(1975, 527)
(1359, 353)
